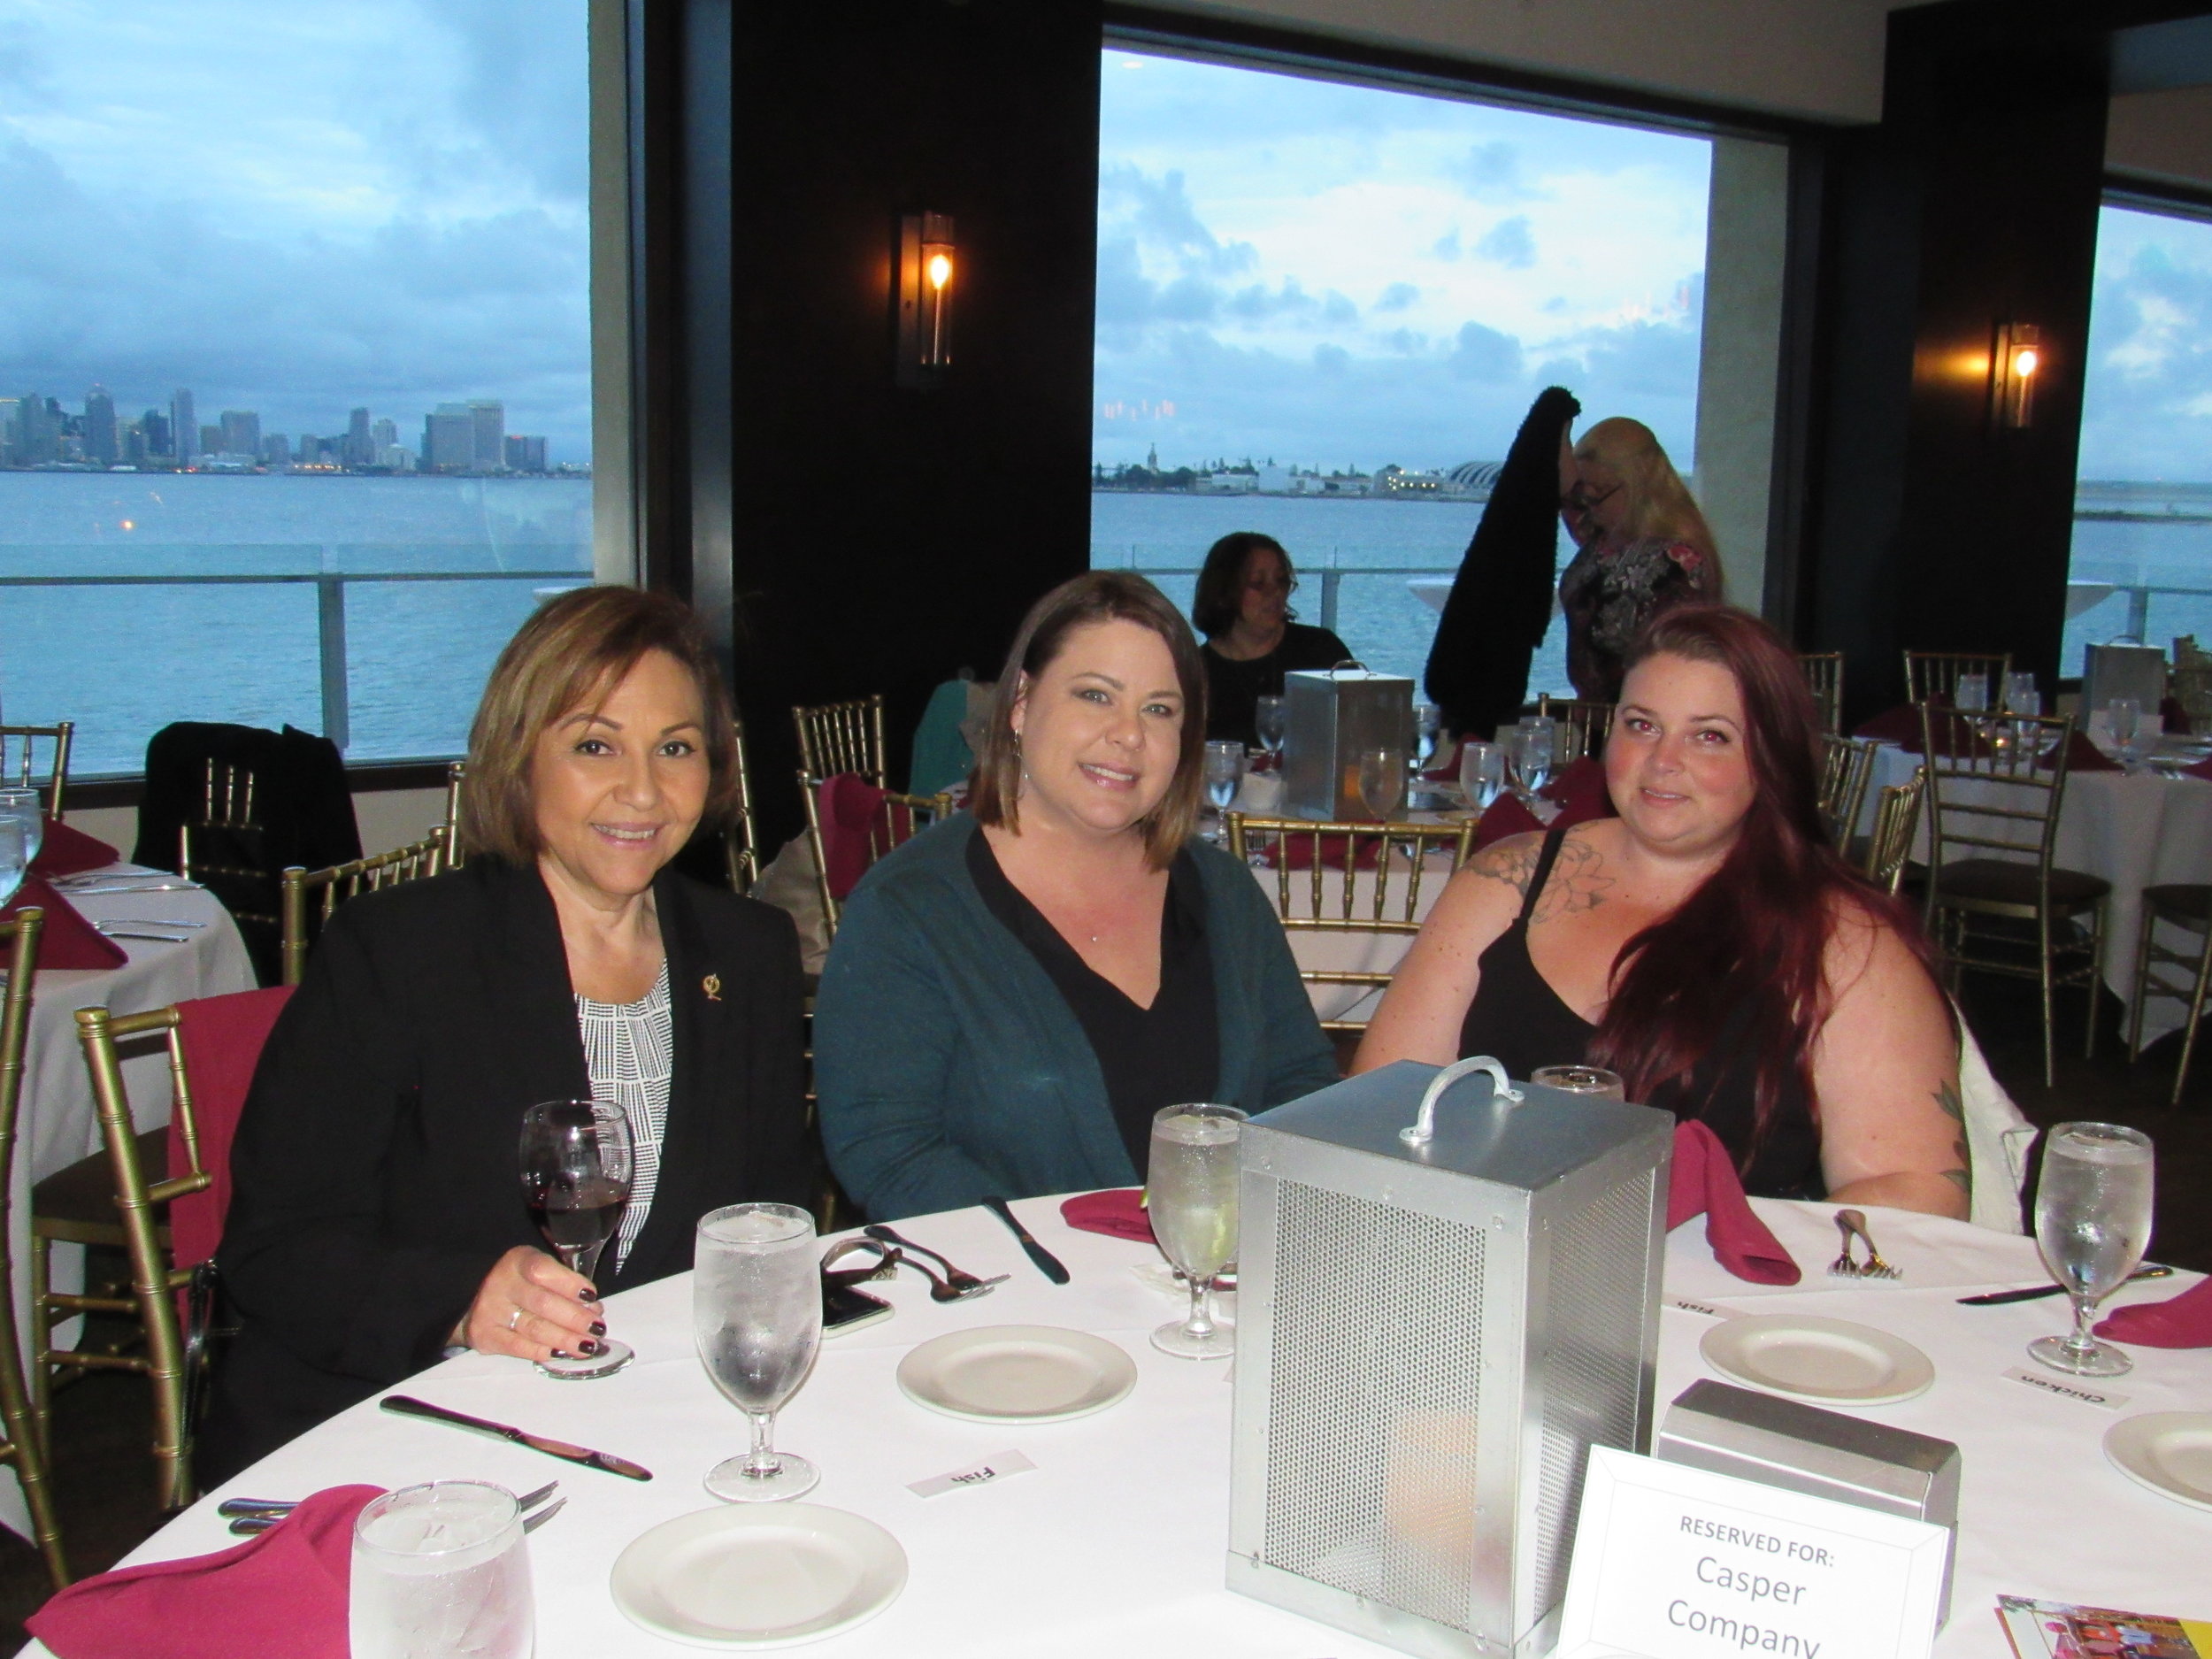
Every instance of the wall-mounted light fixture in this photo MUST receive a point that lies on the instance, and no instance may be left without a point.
(2015, 360)
(928, 272)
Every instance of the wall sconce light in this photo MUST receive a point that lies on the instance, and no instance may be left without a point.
(928, 272)
(2014, 363)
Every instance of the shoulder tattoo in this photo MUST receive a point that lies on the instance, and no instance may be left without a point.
(1513, 865)
(1578, 882)
(1950, 1103)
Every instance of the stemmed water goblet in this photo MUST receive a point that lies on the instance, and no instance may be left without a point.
(21, 803)
(1482, 774)
(1428, 726)
(1528, 757)
(757, 1313)
(2093, 1223)
(1225, 776)
(1191, 1197)
(1382, 781)
(2125, 718)
(13, 859)
(1271, 717)
(576, 1166)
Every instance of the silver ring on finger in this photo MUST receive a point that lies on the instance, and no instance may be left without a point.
(514, 1318)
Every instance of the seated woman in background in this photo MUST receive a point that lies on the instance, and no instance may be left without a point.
(1645, 547)
(1707, 944)
(1013, 993)
(1253, 637)
(377, 1217)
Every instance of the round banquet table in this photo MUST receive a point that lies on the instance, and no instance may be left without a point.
(59, 1122)
(1113, 1544)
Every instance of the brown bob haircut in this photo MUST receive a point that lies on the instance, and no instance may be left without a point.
(1098, 596)
(1219, 597)
(573, 650)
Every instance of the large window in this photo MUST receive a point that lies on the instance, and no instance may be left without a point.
(295, 361)
(2142, 560)
(1323, 308)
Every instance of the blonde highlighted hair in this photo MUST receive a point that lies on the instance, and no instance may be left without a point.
(1625, 453)
(575, 650)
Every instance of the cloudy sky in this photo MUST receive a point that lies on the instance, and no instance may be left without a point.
(2148, 408)
(298, 208)
(1334, 275)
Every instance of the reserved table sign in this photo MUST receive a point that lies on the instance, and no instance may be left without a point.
(1676, 1563)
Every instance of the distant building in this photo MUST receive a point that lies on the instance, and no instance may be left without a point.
(8, 406)
(130, 443)
(393, 456)
(276, 449)
(448, 439)
(382, 436)
(159, 434)
(37, 430)
(99, 428)
(185, 425)
(242, 432)
(211, 442)
(526, 455)
(489, 427)
(360, 449)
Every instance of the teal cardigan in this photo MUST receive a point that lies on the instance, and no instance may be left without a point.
(950, 1067)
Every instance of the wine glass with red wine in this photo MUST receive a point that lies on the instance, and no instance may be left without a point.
(576, 1167)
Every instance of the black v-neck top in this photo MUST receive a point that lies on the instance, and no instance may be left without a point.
(1166, 1055)
(1517, 1018)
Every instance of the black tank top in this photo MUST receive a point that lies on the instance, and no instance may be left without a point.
(1518, 1018)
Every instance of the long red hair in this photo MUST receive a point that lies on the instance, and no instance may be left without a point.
(1745, 954)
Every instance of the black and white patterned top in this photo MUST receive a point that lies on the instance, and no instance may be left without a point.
(630, 1052)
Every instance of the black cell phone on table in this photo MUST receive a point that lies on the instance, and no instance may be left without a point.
(847, 1306)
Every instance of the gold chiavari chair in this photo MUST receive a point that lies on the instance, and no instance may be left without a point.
(899, 819)
(1823, 672)
(741, 841)
(1896, 816)
(58, 735)
(227, 828)
(341, 882)
(139, 1186)
(1307, 854)
(1847, 766)
(457, 774)
(24, 1441)
(1932, 675)
(1998, 803)
(1583, 726)
(2187, 905)
(835, 737)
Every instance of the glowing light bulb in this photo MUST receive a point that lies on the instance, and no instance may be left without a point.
(940, 269)
(2023, 362)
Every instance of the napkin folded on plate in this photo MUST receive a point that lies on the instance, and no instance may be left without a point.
(68, 852)
(2183, 1321)
(282, 1592)
(68, 940)
(1704, 1182)
(1119, 1212)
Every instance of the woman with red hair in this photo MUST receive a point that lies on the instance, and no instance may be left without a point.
(1707, 944)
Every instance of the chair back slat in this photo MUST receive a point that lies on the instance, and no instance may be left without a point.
(1823, 672)
(839, 737)
(1896, 816)
(58, 737)
(1932, 676)
(741, 841)
(897, 820)
(455, 780)
(1584, 725)
(329, 887)
(1847, 766)
(1986, 772)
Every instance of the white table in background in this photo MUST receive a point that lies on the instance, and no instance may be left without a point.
(59, 1122)
(2135, 830)
(1115, 1545)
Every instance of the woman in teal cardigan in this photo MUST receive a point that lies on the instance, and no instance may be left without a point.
(1013, 993)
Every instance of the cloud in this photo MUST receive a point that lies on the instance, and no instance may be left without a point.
(1509, 243)
(1332, 360)
(1492, 172)
(1397, 296)
(2147, 403)
(1162, 216)
(1484, 354)
(1447, 246)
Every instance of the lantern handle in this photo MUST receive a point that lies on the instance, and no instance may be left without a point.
(1423, 1129)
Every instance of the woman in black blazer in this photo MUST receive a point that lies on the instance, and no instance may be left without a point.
(377, 1218)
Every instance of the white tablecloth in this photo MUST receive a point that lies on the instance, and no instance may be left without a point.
(1115, 1545)
(2135, 831)
(59, 1122)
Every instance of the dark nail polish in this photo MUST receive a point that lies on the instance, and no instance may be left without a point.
(562, 1353)
(599, 1327)
(588, 1348)
(587, 1294)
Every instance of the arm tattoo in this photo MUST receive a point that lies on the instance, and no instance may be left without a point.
(1511, 865)
(1950, 1103)
(1577, 882)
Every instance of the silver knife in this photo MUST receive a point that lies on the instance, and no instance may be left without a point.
(407, 1405)
(1997, 1298)
(1046, 1262)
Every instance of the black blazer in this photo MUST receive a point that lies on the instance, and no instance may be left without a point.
(374, 1175)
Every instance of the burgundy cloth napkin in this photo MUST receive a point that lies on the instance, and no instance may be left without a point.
(69, 941)
(222, 1038)
(67, 852)
(1900, 724)
(2084, 755)
(1504, 816)
(1580, 789)
(1119, 1212)
(2183, 1321)
(282, 1592)
(1704, 1182)
(2202, 769)
(849, 804)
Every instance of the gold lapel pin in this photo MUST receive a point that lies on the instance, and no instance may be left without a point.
(712, 985)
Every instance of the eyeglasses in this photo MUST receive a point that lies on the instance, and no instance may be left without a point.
(1581, 500)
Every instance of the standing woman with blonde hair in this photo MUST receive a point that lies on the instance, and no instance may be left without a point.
(1646, 548)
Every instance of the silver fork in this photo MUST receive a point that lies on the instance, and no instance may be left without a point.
(956, 1285)
(1850, 1222)
(249, 1516)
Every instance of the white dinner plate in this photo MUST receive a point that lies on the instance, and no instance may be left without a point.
(1016, 1374)
(2170, 1452)
(768, 1575)
(1826, 1361)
